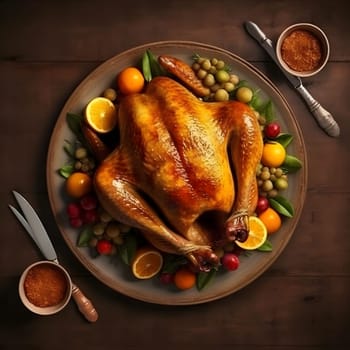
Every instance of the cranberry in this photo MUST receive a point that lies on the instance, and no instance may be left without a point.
(262, 205)
(272, 130)
(166, 278)
(230, 261)
(104, 246)
(76, 222)
(88, 202)
(89, 216)
(73, 210)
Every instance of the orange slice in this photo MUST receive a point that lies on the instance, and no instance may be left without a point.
(147, 263)
(101, 114)
(257, 234)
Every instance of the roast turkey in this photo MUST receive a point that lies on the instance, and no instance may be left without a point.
(184, 171)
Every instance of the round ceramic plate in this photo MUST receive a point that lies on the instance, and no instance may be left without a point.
(113, 273)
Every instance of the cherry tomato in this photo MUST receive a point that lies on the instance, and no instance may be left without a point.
(272, 130)
(104, 246)
(230, 261)
(262, 205)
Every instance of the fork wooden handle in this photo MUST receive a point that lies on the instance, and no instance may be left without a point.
(84, 304)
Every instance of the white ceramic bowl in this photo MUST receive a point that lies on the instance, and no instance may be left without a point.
(314, 31)
(58, 273)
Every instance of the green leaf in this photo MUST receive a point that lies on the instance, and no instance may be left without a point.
(74, 122)
(266, 247)
(172, 263)
(128, 249)
(69, 148)
(146, 68)
(156, 68)
(282, 206)
(205, 278)
(291, 164)
(257, 103)
(85, 237)
(66, 170)
(269, 112)
(284, 139)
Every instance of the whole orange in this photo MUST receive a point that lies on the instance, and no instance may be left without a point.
(78, 184)
(130, 80)
(184, 278)
(271, 219)
(273, 154)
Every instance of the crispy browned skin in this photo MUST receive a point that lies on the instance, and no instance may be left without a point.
(172, 168)
(185, 73)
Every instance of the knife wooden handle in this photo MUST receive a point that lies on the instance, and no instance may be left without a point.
(323, 117)
(84, 304)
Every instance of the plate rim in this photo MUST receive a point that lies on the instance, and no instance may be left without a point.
(85, 262)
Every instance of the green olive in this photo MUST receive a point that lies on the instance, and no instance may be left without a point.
(214, 61)
(229, 87)
(267, 185)
(206, 64)
(80, 153)
(220, 64)
(221, 95)
(234, 79)
(244, 94)
(209, 80)
(222, 76)
(196, 66)
(110, 93)
(272, 193)
(112, 230)
(281, 184)
(264, 175)
(279, 172)
(201, 73)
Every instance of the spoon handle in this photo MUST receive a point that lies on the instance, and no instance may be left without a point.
(84, 304)
(323, 117)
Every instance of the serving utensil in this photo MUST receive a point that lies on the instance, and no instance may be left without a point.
(33, 225)
(322, 116)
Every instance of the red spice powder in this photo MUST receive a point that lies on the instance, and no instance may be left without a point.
(45, 285)
(302, 51)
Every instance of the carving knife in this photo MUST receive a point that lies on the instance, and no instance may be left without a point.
(33, 225)
(322, 116)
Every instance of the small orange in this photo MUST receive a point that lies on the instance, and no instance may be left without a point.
(78, 184)
(101, 114)
(147, 262)
(271, 219)
(257, 234)
(273, 154)
(130, 81)
(184, 278)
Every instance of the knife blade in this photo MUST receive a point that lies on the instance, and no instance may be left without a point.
(322, 116)
(36, 227)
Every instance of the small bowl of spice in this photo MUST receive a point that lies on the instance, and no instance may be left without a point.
(45, 288)
(302, 49)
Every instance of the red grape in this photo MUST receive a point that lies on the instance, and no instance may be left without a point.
(262, 205)
(272, 130)
(230, 261)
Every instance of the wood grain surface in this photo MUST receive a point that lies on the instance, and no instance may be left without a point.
(301, 302)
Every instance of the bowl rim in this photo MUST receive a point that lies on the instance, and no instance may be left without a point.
(313, 29)
(50, 310)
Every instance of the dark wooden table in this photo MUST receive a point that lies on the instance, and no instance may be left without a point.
(301, 302)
